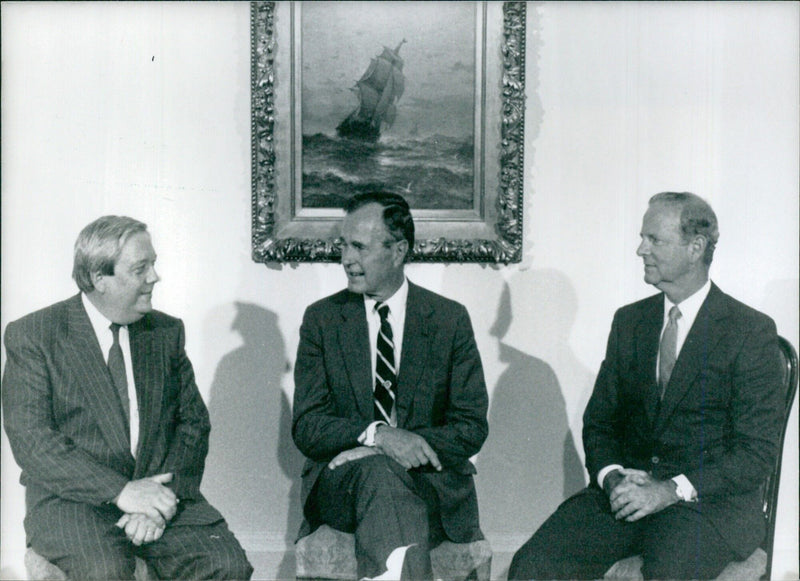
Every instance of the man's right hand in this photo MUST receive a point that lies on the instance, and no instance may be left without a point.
(640, 495)
(149, 496)
(611, 481)
(140, 528)
(408, 449)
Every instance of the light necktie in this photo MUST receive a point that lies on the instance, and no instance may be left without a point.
(116, 365)
(668, 351)
(385, 372)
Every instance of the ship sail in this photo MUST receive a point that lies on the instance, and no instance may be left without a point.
(378, 89)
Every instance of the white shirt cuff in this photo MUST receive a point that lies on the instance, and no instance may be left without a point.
(367, 437)
(601, 476)
(685, 490)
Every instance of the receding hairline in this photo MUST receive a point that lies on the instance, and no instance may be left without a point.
(373, 210)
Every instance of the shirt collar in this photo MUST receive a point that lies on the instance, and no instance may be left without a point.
(396, 302)
(689, 306)
(100, 323)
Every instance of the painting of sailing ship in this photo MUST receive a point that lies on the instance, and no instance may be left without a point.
(378, 90)
(388, 102)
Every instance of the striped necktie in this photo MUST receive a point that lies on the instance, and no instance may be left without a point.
(385, 372)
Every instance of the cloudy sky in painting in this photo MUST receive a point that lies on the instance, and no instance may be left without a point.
(340, 38)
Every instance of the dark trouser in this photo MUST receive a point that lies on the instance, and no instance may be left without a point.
(385, 507)
(101, 551)
(582, 540)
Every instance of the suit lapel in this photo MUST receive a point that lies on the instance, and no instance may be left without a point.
(648, 333)
(355, 348)
(702, 338)
(97, 386)
(416, 347)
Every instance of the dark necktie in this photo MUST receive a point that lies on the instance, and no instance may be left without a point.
(668, 351)
(385, 373)
(116, 365)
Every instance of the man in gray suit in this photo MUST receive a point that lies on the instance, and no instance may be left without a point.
(106, 422)
(389, 402)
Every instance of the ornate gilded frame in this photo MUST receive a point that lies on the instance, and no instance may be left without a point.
(281, 234)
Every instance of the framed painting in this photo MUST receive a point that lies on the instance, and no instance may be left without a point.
(424, 99)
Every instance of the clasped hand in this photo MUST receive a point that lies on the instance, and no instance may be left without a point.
(140, 528)
(638, 494)
(148, 505)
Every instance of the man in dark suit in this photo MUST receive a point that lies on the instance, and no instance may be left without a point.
(682, 427)
(390, 402)
(106, 422)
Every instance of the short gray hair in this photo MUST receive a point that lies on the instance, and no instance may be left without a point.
(99, 245)
(697, 218)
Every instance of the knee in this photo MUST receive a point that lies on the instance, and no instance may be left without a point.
(236, 569)
(227, 562)
(533, 561)
(663, 569)
(223, 562)
(379, 472)
(523, 567)
(100, 567)
(680, 567)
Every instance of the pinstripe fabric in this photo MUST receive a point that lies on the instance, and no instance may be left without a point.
(209, 552)
(62, 417)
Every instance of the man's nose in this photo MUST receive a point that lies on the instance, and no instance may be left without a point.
(644, 248)
(152, 276)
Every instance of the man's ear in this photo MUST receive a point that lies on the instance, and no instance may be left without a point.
(99, 281)
(402, 252)
(697, 247)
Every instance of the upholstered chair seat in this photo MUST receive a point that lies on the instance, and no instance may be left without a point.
(330, 554)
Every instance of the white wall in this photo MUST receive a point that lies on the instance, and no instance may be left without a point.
(143, 109)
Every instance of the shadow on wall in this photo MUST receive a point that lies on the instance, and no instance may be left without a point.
(253, 468)
(530, 462)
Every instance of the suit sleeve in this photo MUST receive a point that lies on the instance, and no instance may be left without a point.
(464, 428)
(45, 455)
(755, 416)
(601, 420)
(188, 444)
(318, 431)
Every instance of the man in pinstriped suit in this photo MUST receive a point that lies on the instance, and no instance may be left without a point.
(112, 455)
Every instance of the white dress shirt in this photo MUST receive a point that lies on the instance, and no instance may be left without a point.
(689, 308)
(105, 337)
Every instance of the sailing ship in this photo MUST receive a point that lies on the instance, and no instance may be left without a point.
(378, 89)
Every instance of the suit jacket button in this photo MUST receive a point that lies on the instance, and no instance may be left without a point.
(655, 459)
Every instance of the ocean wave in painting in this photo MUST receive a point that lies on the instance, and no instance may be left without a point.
(432, 173)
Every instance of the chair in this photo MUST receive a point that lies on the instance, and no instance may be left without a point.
(330, 554)
(40, 569)
(759, 564)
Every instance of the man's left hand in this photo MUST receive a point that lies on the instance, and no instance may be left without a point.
(140, 528)
(639, 495)
(408, 449)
